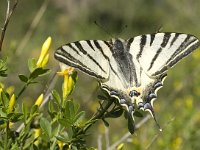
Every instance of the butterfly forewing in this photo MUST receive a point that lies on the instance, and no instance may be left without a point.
(89, 56)
(157, 52)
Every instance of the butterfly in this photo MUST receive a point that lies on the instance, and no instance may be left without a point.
(133, 70)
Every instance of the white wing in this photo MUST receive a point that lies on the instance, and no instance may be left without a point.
(160, 51)
(89, 56)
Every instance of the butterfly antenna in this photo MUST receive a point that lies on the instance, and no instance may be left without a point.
(160, 28)
(125, 27)
(95, 22)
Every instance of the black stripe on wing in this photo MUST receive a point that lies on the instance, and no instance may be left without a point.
(163, 44)
(183, 45)
(174, 38)
(68, 59)
(187, 46)
(106, 57)
(184, 54)
(129, 43)
(68, 53)
(90, 44)
(142, 44)
(152, 37)
(79, 46)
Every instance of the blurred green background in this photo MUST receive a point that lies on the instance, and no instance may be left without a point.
(178, 103)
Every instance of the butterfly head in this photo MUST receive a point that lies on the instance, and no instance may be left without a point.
(118, 44)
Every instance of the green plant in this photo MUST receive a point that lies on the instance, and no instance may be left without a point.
(62, 126)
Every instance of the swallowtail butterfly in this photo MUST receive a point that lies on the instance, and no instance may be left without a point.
(130, 70)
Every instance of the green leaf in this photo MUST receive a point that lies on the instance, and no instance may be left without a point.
(91, 148)
(63, 137)
(14, 117)
(46, 126)
(34, 109)
(74, 108)
(3, 68)
(25, 111)
(75, 76)
(79, 117)
(51, 110)
(4, 100)
(3, 113)
(69, 109)
(23, 78)
(74, 147)
(35, 147)
(31, 64)
(15, 146)
(56, 130)
(56, 96)
(39, 72)
(65, 122)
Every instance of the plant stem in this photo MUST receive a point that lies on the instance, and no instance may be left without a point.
(98, 115)
(9, 13)
(22, 90)
(55, 140)
(7, 133)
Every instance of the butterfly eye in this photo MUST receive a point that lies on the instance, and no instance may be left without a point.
(134, 93)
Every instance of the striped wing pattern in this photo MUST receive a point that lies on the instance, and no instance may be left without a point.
(133, 70)
(158, 52)
(89, 56)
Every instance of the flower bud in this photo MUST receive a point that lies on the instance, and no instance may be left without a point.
(39, 100)
(46, 59)
(44, 51)
(37, 133)
(120, 146)
(11, 103)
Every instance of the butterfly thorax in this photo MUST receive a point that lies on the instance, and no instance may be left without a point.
(124, 62)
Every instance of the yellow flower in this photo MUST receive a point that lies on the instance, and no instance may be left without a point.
(120, 146)
(43, 59)
(39, 100)
(37, 133)
(44, 62)
(176, 145)
(10, 90)
(1, 90)
(1, 87)
(68, 80)
(11, 103)
(60, 144)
